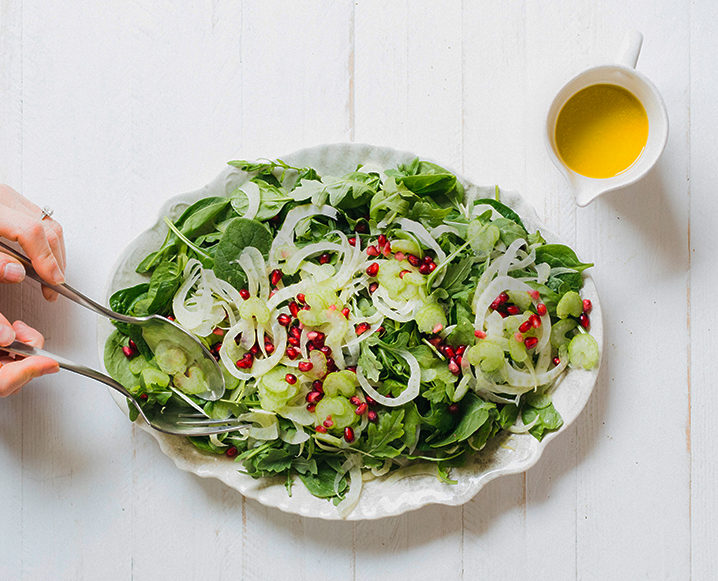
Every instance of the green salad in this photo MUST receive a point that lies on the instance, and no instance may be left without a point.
(364, 323)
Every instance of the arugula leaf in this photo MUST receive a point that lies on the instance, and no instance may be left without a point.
(549, 419)
(412, 420)
(463, 334)
(509, 230)
(240, 234)
(272, 200)
(475, 413)
(502, 209)
(321, 483)
(370, 366)
(352, 190)
(380, 435)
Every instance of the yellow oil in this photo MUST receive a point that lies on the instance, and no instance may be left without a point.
(601, 131)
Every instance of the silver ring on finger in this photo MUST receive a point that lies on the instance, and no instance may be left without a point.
(47, 212)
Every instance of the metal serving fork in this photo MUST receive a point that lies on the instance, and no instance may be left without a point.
(176, 420)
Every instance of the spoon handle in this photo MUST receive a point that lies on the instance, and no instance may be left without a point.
(64, 289)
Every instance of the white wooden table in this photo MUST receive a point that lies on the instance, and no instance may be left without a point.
(108, 108)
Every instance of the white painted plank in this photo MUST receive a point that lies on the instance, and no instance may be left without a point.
(703, 283)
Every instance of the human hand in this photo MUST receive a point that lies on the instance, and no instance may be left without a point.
(22, 221)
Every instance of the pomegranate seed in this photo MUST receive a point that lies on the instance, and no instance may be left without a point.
(361, 409)
(361, 227)
(424, 268)
(556, 361)
(170, 318)
(379, 330)
(317, 385)
(372, 269)
(219, 332)
(324, 258)
(519, 337)
(387, 250)
(460, 349)
(352, 241)
(244, 363)
(326, 350)
(371, 416)
(306, 308)
(294, 308)
(349, 434)
(400, 256)
(293, 341)
(321, 429)
(541, 309)
(587, 306)
(272, 292)
(369, 400)
(290, 378)
(479, 334)
(331, 365)
(311, 346)
(413, 259)
(513, 310)
(454, 367)
(437, 328)
(432, 266)
(346, 312)
(311, 407)
(381, 241)
(328, 423)
(427, 259)
(275, 276)
(372, 251)
(314, 397)
(295, 332)
(284, 320)
(534, 294)
(301, 299)
(448, 352)
(373, 286)
(133, 345)
(453, 408)
(316, 336)
(231, 452)
(244, 293)
(293, 353)
(254, 349)
(503, 313)
(269, 348)
(305, 366)
(403, 273)
(535, 321)
(458, 359)
(362, 328)
(584, 321)
(355, 400)
(530, 342)
(436, 342)
(525, 326)
(144, 397)
(128, 351)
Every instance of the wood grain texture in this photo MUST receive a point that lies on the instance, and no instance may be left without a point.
(108, 109)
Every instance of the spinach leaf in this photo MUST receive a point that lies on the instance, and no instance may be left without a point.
(123, 301)
(428, 179)
(475, 413)
(558, 255)
(240, 234)
(502, 209)
(117, 365)
(165, 281)
(463, 334)
(509, 230)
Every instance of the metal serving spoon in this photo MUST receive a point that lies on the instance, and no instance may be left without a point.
(154, 329)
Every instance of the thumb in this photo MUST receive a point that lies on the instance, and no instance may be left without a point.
(10, 269)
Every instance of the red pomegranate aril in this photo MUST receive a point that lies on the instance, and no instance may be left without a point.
(321, 429)
(362, 328)
(301, 299)
(361, 409)
(254, 349)
(355, 400)
(231, 452)
(400, 256)
(432, 266)
(503, 313)
(328, 423)
(272, 292)
(352, 241)
(530, 342)
(435, 341)
(372, 251)
(584, 321)
(587, 306)
(284, 320)
(324, 258)
(352, 368)
(372, 269)
(144, 397)
(381, 241)
(326, 350)
(314, 397)
(425, 268)
(513, 310)
(170, 318)
(519, 337)
(311, 346)
(541, 309)
(460, 349)
(127, 351)
(293, 353)
(369, 400)
(535, 321)
(458, 359)
(372, 287)
(244, 363)
(453, 408)
(219, 332)
(386, 251)
(317, 385)
(311, 407)
(349, 434)
(427, 259)
(293, 341)
(290, 378)
(305, 366)
(275, 276)
(294, 308)
(525, 326)
(316, 336)
(413, 259)
(448, 352)
(269, 348)
(244, 293)
(133, 345)
(534, 294)
(372, 416)
(454, 367)
(295, 332)
(379, 330)
(403, 273)
(556, 361)
(346, 312)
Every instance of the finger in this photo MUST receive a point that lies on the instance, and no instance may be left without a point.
(16, 374)
(57, 240)
(12, 199)
(31, 235)
(7, 333)
(26, 334)
(10, 270)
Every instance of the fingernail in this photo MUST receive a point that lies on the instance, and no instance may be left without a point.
(57, 276)
(13, 272)
(7, 335)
